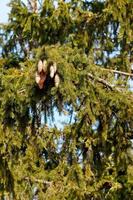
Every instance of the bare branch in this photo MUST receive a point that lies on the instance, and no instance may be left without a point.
(118, 72)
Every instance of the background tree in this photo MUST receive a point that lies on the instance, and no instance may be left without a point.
(91, 157)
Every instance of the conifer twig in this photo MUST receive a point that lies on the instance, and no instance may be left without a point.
(39, 180)
(33, 5)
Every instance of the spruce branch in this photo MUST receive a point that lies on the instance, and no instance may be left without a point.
(105, 83)
(100, 80)
(109, 85)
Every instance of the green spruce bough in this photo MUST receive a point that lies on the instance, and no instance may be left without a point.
(91, 157)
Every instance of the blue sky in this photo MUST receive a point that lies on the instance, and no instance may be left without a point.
(4, 10)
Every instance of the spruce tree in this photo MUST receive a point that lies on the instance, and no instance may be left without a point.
(89, 44)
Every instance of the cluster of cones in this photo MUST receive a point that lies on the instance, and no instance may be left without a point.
(46, 72)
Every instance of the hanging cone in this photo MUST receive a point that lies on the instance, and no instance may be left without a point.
(43, 77)
(55, 67)
(44, 65)
(57, 80)
(40, 66)
(37, 78)
(52, 71)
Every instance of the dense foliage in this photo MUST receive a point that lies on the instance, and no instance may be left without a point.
(90, 158)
